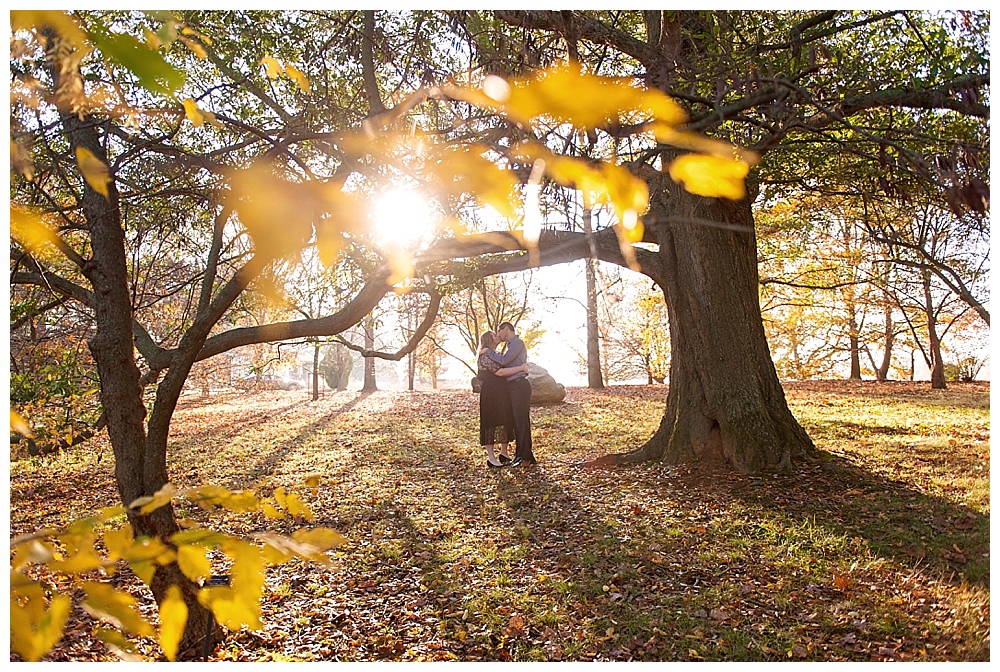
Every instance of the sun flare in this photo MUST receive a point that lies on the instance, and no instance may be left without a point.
(402, 216)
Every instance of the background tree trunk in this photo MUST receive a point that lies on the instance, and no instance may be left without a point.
(369, 329)
(883, 370)
(725, 405)
(936, 364)
(594, 378)
(315, 376)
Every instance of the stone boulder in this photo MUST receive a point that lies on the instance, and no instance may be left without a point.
(544, 388)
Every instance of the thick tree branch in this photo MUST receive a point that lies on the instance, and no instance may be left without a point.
(411, 345)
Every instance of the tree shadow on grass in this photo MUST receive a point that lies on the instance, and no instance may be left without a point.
(898, 521)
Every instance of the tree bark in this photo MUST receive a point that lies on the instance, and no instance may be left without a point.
(369, 330)
(936, 364)
(140, 458)
(315, 376)
(882, 374)
(595, 379)
(725, 405)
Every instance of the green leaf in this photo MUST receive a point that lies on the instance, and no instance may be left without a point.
(148, 65)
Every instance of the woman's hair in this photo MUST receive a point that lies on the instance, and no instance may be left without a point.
(486, 340)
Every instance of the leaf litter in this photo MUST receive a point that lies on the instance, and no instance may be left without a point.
(879, 550)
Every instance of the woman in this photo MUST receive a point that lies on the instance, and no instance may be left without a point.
(496, 420)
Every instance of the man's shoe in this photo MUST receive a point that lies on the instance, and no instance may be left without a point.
(516, 462)
(504, 459)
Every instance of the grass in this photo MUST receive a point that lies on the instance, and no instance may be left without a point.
(878, 551)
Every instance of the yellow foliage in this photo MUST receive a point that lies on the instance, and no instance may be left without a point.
(192, 112)
(61, 22)
(193, 561)
(322, 538)
(195, 48)
(29, 229)
(173, 618)
(95, 171)
(87, 559)
(115, 607)
(33, 551)
(238, 604)
(33, 628)
(272, 66)
(17, 423)
(118, 542)
(464, 170)
(712, 176)
(586, 101)
(296, 76)
(162, 497)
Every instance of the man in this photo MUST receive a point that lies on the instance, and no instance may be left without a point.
(519, 388)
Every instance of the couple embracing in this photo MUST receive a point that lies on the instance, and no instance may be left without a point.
(505, 398)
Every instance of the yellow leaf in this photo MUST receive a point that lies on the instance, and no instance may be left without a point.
(35, 630)
(587, 101)
(240, 502)
(195, 48)
(712, 176)
(464, 170)
(144, 569)
(296, 76)
(145, 553)
(280, 498)
(116, 641)
(287, 546)
(277, 214)
(193, 113)
(271, 512)
(400, 263)
(162, 497)
(94, 170)
(272, 65)
(17, 422)
(238, 604)
(198, 535)
(194, 562)
(61, 22)
(33, 551)
(173, 618)
(30, 230)
(115, 607)
(85, 560)
(118, 541)
(322, 538)
(313, 480)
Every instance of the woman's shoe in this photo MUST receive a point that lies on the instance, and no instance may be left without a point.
(504, 459)
(493, 466)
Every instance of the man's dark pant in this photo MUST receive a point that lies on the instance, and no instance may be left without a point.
(520, 402)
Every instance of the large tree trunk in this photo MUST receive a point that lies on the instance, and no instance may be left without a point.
(725, 405)
(140, 459)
